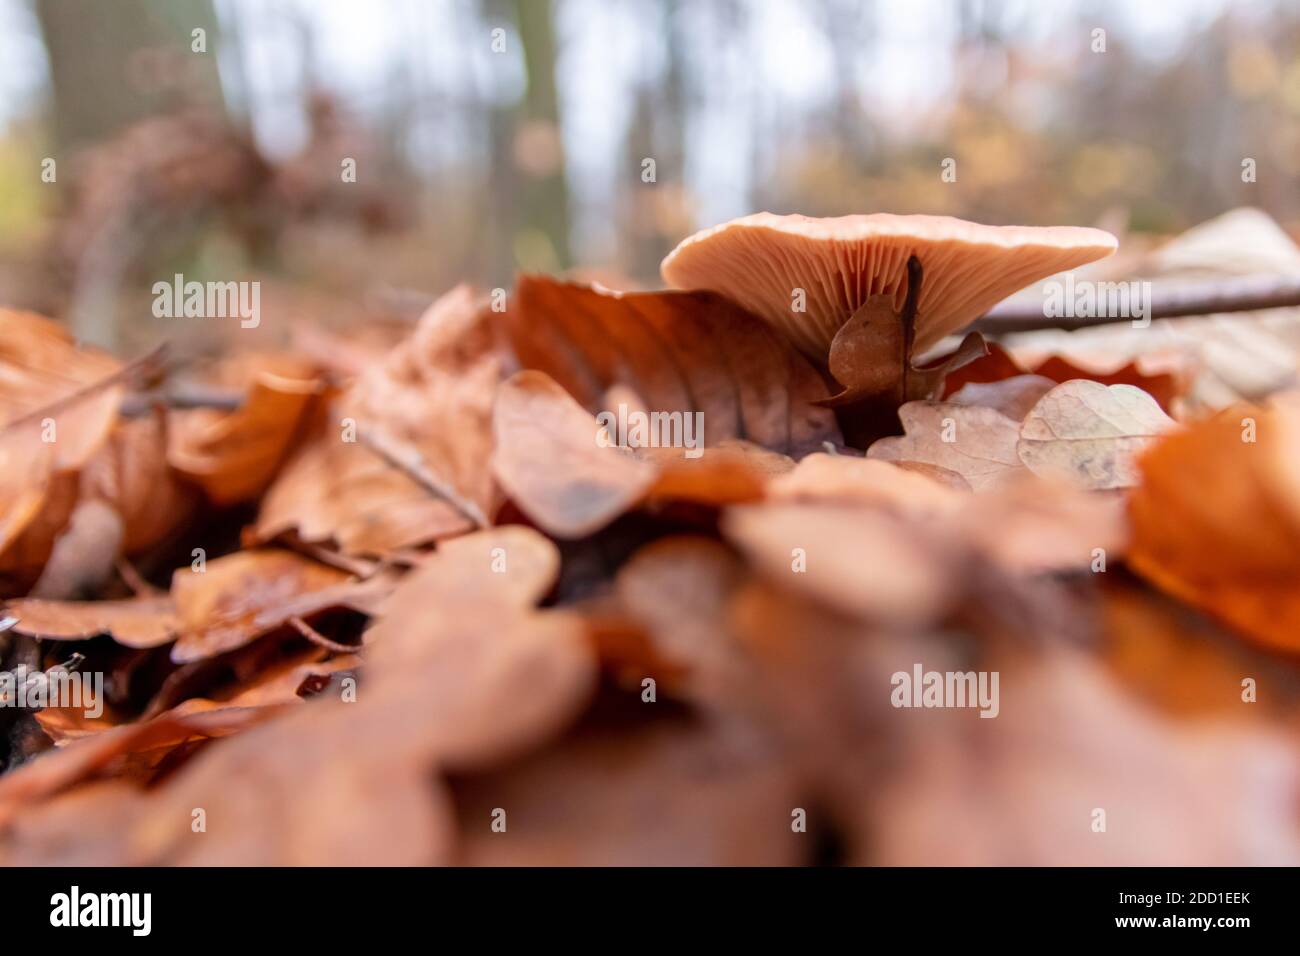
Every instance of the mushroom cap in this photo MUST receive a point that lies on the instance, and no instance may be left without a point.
(758, 261)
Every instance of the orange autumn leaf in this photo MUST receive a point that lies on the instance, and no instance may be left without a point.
(232, 456)
(1216, 520)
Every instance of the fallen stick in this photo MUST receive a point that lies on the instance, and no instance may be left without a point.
(1200, 298)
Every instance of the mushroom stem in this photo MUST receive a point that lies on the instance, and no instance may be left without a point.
(915, 276)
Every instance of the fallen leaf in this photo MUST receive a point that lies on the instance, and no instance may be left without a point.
(1216, 520)
(404, 459)
(232, 456)
(1090, 433)
(975, 442)
(845, 478)
(139, 622)
(1013, 397)
(820, 550)
(242, 596)
(680, 352)
(557, 463)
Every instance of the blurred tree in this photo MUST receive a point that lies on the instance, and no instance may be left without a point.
(542, 223)
(113, 64)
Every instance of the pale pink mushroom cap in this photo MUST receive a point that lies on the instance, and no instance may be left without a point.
(760, 260)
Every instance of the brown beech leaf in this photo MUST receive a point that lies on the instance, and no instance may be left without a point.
(690, 645)
(731, 472)
(106, 753)
(820, 550)
(975, 442)
(232, 456)
(1216, 520)
(132, 475)
(1011, 791)
(461, 656)
(1013, 397)
(680, 352)
(1090, 433)
(1031, 525)
(551, 461)
(347, 495)
(846, 478)
(139, 622)
(404, 459)
(244, 595)
(1000, 364)
(58, 407)
(665, 793)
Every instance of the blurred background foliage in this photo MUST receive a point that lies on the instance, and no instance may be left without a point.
(497, 135)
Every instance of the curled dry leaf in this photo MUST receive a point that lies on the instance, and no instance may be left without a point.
(242, 596)
(232, 456)
(680, 352)
(975, 442)
(1216, 520)
(58, 407)
(1090, 433)
(131, 474)
(871, 356)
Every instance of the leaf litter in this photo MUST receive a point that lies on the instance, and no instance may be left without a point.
(429, 605)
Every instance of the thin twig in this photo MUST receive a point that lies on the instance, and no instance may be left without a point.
(1200, 298)
(141, 403)
(144, 367)
(411, 462)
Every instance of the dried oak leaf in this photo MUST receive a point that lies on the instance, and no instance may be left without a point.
(975, 442)
(1216, 520)
(242, 596)
(680, 352)
(404, 459)
(233, 456)
(1013, 396)
(1090, 433)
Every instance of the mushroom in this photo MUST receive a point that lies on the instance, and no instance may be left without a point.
(772, 265)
